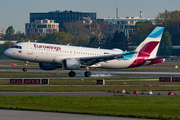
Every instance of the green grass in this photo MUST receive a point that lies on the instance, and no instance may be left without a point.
(84, 88)
(24, 74)
(156, 107)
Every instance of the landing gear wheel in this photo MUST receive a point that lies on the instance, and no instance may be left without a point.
(24, 69)
(72, 74)
(26, 64)
(87, 74)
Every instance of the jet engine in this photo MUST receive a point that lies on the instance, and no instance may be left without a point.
(49, 66)
(71, 64)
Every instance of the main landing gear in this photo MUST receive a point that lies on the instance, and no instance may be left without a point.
(72, 74)
(86, 74)
(26, 64)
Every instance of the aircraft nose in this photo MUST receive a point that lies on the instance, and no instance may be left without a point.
(7, 52)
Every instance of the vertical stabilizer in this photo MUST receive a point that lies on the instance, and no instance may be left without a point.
(150, 45)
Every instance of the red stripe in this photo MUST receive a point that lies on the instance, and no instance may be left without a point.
(148, 48)
(144, 53)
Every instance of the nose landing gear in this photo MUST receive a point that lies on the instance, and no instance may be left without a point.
(26, 64)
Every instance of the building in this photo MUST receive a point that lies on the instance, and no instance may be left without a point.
(125, 25)
(1, 32)
(61, 17)
(41, 27)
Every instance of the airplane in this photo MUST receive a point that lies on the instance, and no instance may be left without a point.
(52, 56)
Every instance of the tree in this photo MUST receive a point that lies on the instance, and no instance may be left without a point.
(171, 21)
(5, 46)
(140, 32)
(58, 38)
(74, 40)
(165, 45)
(33, 36)
(83, 41)
(124, 40)
(115, 41)
(119, 41)
(77, 29)
(100, 28)
(94, 42)
(107, 43)
(2, 37)
(169, 15)
(10, 30)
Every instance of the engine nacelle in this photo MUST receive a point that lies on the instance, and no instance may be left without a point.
(71, 64)
(48, 66)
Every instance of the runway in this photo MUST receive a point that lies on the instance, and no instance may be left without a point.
(81, 93)
(31, 115)
(97, 74)
(94, 71)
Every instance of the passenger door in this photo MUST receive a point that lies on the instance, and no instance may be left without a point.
(30, 48)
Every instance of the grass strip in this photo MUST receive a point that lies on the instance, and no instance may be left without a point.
(84, 88)
(26, 74)
(154, 107)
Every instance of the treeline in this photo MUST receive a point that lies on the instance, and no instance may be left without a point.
(83, 37)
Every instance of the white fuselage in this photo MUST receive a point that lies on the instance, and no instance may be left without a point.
(52, 53)
(52, 56)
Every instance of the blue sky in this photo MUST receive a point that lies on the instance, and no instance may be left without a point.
(16, 12)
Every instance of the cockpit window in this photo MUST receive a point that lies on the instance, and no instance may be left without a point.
(15, 46)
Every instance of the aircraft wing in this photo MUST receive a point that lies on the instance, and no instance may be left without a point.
(97, 59)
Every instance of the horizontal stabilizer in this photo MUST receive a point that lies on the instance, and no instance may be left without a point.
(157, 58)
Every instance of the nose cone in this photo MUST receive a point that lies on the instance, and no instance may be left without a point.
(7, 52)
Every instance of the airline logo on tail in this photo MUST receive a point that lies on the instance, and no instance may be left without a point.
(148, 48)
